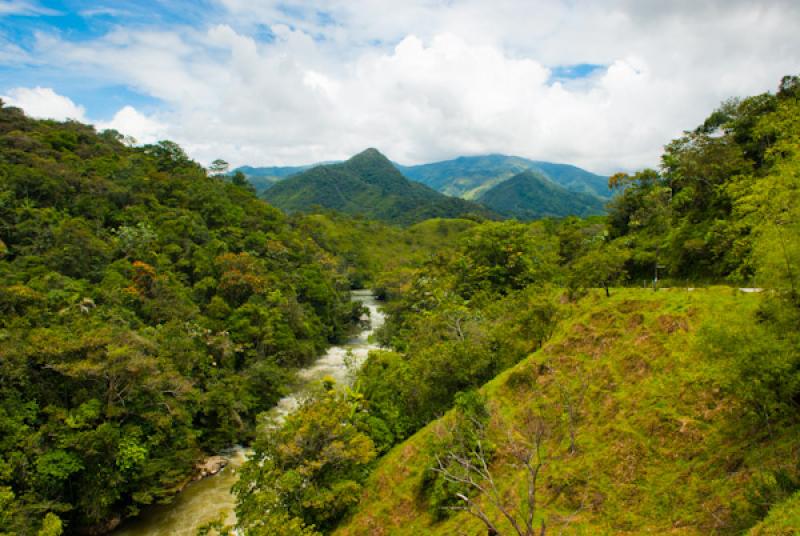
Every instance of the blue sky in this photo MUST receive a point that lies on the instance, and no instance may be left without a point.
(77, 22)
(601, 84)
(80, 21)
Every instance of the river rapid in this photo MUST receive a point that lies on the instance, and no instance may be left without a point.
(205, 500)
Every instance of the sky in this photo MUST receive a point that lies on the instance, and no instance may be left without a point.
(602, 84)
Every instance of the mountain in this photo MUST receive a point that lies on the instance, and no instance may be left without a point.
(470, 176)
(530, 195)
(466, 176)
(264, 177)
(370, 185)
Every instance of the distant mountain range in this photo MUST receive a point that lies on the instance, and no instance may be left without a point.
(264, 177)
(471, 176)
(370, 185)
(508, 185)
(530, 195)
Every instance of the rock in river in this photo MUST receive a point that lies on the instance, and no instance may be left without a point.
(210, 466)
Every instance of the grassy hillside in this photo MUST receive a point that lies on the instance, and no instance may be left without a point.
(367, 185)
(530, 195)
(660, 447)
(471, 176)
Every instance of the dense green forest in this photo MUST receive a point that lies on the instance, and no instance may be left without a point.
(607, 409)
(528, 384)
(532, 196)
(148, 313)
(368, 185)
(466, 176)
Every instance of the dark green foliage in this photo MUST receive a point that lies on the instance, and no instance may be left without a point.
(759, 351)
(367, 185)
(148, 313)
(722, 189)
(532, 196)
(449, 345)
(506, 256)
(239, 179)
(264, 177)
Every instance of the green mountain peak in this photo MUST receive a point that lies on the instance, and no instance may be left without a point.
(530, 195)
(367, 184)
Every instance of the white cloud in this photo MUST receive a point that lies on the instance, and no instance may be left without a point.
(130, 122)
(43, 102)
(432, 80)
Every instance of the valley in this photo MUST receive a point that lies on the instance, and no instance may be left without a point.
(548, 362)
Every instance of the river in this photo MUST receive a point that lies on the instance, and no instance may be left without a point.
(205, 500)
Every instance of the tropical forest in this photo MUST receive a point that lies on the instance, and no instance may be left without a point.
(481, 345)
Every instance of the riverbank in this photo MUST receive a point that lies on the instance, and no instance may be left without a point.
(207, 499)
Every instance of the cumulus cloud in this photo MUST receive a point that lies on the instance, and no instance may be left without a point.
(43, 102)
(133, 123)
(285, 83)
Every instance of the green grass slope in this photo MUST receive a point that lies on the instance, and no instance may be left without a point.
(783, 520)
(530, 196)
(659, 448)
(368, 185)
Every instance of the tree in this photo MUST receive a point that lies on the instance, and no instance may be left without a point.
(307, 473)
(505, 256)
(169, 155)
(240, 179)
(602, 265)
(218, 167)
(770, 203)
(471, 472)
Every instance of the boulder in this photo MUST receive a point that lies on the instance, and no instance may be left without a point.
(210, 466)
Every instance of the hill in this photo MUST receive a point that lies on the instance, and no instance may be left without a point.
(520, 391)
(530, 195)
(470, 176)
(466, 177)
(637, 435)
(369, 185)
(263, 177)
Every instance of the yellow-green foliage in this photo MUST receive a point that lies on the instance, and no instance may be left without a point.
(783, 520)
(369, 247)
(660, 447)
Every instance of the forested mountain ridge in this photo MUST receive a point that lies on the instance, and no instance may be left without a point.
(530, 195)
(369, 185)
(263, 177)
(471, 176)
(148, 313)
(466, 176)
